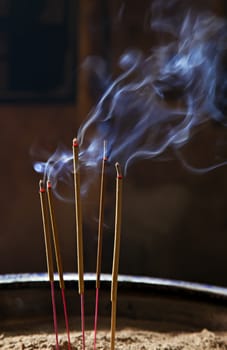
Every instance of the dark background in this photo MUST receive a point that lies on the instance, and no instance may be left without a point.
(174, 222)
(38, 50)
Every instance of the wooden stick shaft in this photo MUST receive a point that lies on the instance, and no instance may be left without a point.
(113, 324)
(117, 237)
(100, 226)
(49, 258)
(118, 219)
(54, 313)
(55, 235)
(78, 212)
(82, 319)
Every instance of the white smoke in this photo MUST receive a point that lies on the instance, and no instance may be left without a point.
(159, 100)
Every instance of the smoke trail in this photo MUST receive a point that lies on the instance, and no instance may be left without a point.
(57, 168)
(159, 100)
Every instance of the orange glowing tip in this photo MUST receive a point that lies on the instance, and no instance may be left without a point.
(118, 170)
(75, 142)
(105, 158)
(41, 186)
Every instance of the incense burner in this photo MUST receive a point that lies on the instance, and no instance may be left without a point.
(145, 306)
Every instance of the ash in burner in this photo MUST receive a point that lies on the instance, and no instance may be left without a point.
(134, 339)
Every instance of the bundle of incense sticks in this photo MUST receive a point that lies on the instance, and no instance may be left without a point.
(58, 257)
(49, 257)
(48, 215)
(118, 208)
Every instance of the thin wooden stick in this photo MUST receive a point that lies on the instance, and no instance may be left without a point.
(117, 236)
(58, 256)
(100, 238)
(55, 234)
(46, 231)
(79, 234)
(54, 313)
(49, 258)
(101, 217)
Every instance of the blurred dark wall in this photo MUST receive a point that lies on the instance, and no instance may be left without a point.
(174, 221)
(26, 131)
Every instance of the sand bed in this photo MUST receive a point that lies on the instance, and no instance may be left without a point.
(127, 338)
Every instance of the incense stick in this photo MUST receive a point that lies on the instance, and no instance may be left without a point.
(100, 238)
(118, 210)
(49, 258)
(78, 212)
(101, 217)
(58, 257)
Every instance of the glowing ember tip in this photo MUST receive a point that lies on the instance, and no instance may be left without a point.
(118, 170)
(75, 142)
(104, 150)
(41, 186)
(48, 184)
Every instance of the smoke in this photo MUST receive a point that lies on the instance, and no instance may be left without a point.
(160, 99)
(57, 169)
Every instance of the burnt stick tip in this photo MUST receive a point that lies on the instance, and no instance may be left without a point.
(105, 158)
(118, 170)
(41, 186)
(49, 184)
(75, 142)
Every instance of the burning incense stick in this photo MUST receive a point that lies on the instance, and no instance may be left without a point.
(100, 235)
(49, 258)
(55, 234)
(79, 235)
(101, 217)
(58, 257)
(118, 210)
